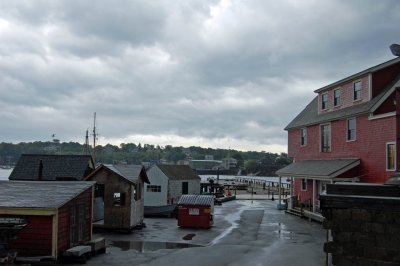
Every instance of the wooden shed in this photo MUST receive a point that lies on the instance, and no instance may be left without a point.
(119, 196)
(57, 214)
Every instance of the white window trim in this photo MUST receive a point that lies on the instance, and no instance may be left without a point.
(301, 185)
(354, 83)
(322, 100)
(386, 153)
(347, 130)
(301, 137)
(340, 98)
(320, 137)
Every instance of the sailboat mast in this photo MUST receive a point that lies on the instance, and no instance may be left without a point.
(94, 138)
(86, 145)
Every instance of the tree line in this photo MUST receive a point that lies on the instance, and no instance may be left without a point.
(263, 163)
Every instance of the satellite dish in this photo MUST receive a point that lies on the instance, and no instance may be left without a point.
(395, 49)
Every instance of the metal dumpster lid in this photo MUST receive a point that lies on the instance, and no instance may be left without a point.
(202, 200)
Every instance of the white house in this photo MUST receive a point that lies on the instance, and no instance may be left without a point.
(168, 183)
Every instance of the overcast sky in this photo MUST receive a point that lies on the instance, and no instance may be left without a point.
(219, 74)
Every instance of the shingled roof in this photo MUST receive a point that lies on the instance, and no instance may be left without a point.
(44, 167)
(129, 172)
(46, 194)
(309, 115)
(178, 172)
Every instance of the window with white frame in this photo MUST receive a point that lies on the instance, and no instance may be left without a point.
(325, 138)
(337, 98)
(351, 129)
(390, 156)
(357, 90)
(324, 101)
(303, 184)
(304, 136)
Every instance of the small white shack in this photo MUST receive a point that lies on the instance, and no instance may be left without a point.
(167, 184)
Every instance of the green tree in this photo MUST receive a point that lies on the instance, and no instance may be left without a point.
(250, 166)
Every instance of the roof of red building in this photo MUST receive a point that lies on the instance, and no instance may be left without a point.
(43, 194)
(318, 168)
(309, 115)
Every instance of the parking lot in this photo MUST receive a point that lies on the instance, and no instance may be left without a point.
(245, 232)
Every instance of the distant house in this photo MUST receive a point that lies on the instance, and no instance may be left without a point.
(57, 214)
(42, 167)
(118, 196)
(229, 163)
(168, 183)
(348, 132)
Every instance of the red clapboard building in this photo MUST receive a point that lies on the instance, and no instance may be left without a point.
(348, 132)
(56, 215)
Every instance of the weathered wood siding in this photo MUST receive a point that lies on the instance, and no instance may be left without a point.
(64, 220)
(117, 217)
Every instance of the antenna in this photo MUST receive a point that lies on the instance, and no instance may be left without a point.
(395, 49)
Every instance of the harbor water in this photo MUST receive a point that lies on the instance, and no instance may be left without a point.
(5, 173)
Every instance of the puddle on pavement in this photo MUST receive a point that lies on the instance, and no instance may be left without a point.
(146, 246)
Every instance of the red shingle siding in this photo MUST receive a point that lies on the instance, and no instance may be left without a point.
(369, 146)
(64, 222)
(35, 238)
(384, 77)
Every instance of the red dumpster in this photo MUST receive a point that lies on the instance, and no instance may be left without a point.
(196, 211)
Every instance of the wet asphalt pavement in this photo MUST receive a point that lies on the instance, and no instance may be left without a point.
(245, 232)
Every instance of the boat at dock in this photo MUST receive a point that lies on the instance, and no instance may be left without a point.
(160, 211)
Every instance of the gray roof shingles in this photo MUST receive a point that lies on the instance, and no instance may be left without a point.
(309, 115)
(45, 194)
(322, 168)
(72, 167)
(129, 172)
(179, 172)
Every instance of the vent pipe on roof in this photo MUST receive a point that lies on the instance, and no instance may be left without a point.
(40, 176)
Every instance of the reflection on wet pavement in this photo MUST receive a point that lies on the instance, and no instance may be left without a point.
(143, 246)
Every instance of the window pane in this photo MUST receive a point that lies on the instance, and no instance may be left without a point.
(303, 136)
(324, 101)
(337, 97)
(325, 138)
(391, 156)
(351, 129)
(357, 90)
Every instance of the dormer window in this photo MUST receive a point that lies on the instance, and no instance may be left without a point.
(357, 91)
(303, 140)
(324, 101)
(337, 97)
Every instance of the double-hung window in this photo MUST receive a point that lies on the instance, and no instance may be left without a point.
(303, 137)
(390, 156)
(357, 91)
(325, 138)
(324, 101)
(303, 184)
(351, 129)
(337, 97)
